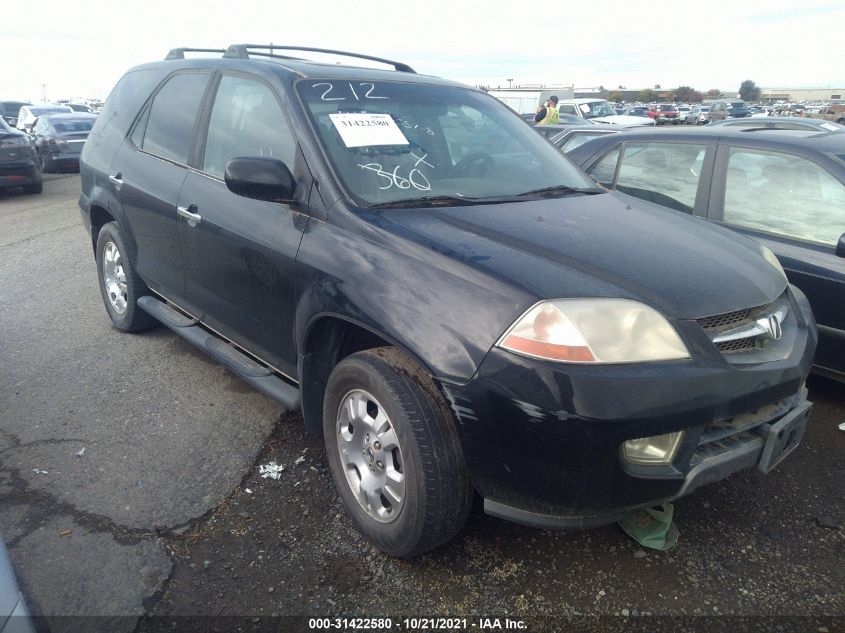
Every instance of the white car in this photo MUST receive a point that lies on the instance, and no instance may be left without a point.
(28, 114)
(600, 111)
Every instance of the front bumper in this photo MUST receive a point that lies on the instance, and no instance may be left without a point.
(543, 440)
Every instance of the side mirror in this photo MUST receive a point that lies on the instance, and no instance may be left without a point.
(840, 247)
(260, 178)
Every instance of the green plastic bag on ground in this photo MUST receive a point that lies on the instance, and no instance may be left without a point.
(652, 527)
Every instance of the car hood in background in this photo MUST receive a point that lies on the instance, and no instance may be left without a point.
(604, 245)
(624, 119)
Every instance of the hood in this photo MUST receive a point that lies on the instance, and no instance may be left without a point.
(624, 119)
(605, 245)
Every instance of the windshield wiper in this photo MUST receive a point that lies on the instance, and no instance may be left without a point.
(562, 189)
(429, 201)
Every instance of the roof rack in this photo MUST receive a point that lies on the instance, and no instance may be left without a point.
(179, 53)
(243, 51)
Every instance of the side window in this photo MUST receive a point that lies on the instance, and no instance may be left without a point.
(577, 140)
(567, 109)
(663, 173)
(170, 123)
(246, 120)
(785, 194)
(605, 169)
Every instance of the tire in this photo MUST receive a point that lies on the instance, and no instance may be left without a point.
(36, 187)
(396, 396)
(127, 286)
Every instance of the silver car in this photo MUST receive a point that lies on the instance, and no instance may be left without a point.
(698, 115)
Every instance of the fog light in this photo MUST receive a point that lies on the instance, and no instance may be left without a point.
(658, 449)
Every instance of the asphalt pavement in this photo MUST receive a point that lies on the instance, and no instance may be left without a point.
(129, 490)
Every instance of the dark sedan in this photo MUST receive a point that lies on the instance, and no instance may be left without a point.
(785, 188)
(568, 137)
(780, 123)
(18, 160)
(59, 139)
(9, 111)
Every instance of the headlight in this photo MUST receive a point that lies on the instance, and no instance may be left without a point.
(772, 259)
(659, 449)
(594, 331)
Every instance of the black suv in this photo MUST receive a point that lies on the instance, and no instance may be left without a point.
(452, 303)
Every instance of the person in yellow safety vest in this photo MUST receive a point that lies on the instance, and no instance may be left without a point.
(548, 114)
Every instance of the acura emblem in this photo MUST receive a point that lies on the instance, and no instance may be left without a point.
(771, 324)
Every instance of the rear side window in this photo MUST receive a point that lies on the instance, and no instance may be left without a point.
(784, 194)
(246, 120)
(124, 102)
(170, 124)
(662, 173)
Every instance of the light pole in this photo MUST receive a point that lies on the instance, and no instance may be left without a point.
(44, 93)
(510, 81)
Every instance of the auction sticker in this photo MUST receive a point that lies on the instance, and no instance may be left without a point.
(365, 128)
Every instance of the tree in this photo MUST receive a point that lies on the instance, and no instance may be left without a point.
(615, 96)
(748, 91)
(682, 93)
(646, 95)
(657, 86)
(714, 92)
(695, 97)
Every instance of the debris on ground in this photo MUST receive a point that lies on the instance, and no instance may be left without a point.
(652, 527)
(827, 522)
(299, 459)
(248, 491)
(65, 532)
(271, 470)
(38, 471)
(842, 427)
(80, 452)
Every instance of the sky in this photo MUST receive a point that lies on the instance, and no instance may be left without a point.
(80, 49)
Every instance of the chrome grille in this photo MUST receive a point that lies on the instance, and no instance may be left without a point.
(728, 319)
(741, 330)
(739, 345)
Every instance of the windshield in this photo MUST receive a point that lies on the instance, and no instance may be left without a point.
(49, 110)
(668, 108)
(392, 141)
(11, 108)
(737, 105)
(596, 108)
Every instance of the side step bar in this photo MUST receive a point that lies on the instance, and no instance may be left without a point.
(261, 377)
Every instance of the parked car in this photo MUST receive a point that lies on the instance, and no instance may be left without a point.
(683, 111)
(19, 165)
(567, 137)
(598, 111)
(14, 615)
(28, 114)
(9, 111)
(834, 113)
(664, 113)
(728, 109)
(781, 123)
(703, 115)
(640, 111)
(59, 139)
(80, 107)
(785, 189)
(455, 308)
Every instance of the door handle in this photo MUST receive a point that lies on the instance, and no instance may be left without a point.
(117, 181)
(189, 213)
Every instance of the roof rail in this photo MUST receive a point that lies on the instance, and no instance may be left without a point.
(179, 53)
(243, 51)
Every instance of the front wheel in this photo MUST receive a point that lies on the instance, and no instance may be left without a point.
(120, 285)
(394, 452)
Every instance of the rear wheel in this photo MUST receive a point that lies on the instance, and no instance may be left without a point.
(394, 452)
(120, 285)
(36, 187)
